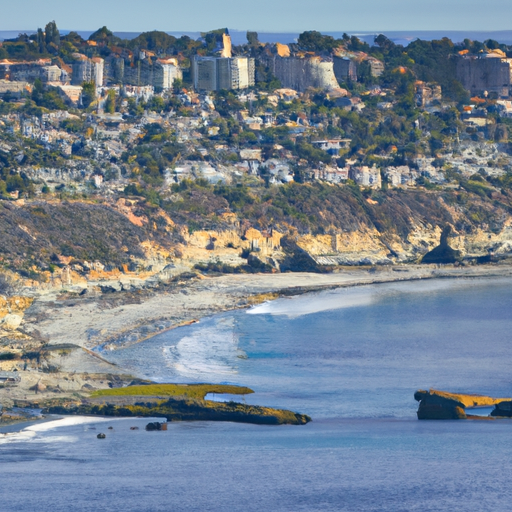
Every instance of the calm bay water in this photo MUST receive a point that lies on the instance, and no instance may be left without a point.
(352, 360)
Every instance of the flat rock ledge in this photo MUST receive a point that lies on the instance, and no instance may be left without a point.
(442, 405)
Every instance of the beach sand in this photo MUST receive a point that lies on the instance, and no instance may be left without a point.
(71, 327)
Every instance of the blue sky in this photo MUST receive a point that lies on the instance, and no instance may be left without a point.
(259, 15)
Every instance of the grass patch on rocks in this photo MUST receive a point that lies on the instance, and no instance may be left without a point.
(197, 391)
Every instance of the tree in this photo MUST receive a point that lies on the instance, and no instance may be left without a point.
(384, 43)
(110, 103)
(41, 41)
(52, 34)
(177, 85)
(15, 182)
(213, 38)
(314, 41)
(103, 35)
(252, 38)
(88, 93)
(154, 41)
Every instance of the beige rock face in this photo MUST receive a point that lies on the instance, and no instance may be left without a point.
(355, 246)
(364, 245)
(226, 246)
(11, 322)
(14, 305)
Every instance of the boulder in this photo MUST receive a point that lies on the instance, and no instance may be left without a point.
(11, 322)
(156, 426)
(38, 388)
(503, 409)
(436, 407)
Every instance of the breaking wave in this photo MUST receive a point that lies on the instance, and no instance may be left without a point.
(366, 295)
(211, 349)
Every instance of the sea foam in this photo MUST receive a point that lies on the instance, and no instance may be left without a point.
(364, 295)
(211, 349)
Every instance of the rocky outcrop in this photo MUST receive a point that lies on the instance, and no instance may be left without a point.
(11, 322)
(443, 253)
(441, 405)
(156, 425)
(438, 407)
(191, 410)
(299, 73)
(503, 409)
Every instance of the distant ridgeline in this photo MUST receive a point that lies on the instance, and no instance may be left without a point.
(158, 59)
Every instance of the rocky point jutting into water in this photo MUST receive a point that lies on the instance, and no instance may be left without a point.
(442, 405)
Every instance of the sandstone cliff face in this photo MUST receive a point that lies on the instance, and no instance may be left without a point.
(300, 73)
(14, 305)
(57, 244)
(369, 246)
(227, 246)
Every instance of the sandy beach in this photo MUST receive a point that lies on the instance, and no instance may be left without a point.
(70, 326)
(118, 320)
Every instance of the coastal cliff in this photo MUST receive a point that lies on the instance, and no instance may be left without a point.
(51, 244)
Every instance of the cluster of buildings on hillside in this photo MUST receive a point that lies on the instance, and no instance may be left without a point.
(100, 163)
(485, 73)
(207, 73)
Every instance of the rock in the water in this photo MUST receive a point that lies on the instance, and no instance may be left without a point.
(101, 436)
(437, 407)
(443, 253)
(503, 409)
(156, 426)
(447, 411)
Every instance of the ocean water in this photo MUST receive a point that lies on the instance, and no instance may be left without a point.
(351, 359)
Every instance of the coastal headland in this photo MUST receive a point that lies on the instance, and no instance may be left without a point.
(58, 352)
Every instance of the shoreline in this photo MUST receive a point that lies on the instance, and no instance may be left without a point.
(101, 324)
(109, 321)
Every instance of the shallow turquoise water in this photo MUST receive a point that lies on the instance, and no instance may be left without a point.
(352, 360)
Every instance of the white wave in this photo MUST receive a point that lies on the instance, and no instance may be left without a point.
(68, 421)
(314, 303)
(211, 349)
(351, 297)
(16, 437)
(35, 433)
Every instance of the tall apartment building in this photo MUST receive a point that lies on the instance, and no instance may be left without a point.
(159, 73)
(87, 70)
(165, 71)
(214, 73)
(489, 72)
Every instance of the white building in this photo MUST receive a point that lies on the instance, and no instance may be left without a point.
(213, 73)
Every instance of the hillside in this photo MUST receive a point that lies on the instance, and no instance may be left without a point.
(228, 228)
